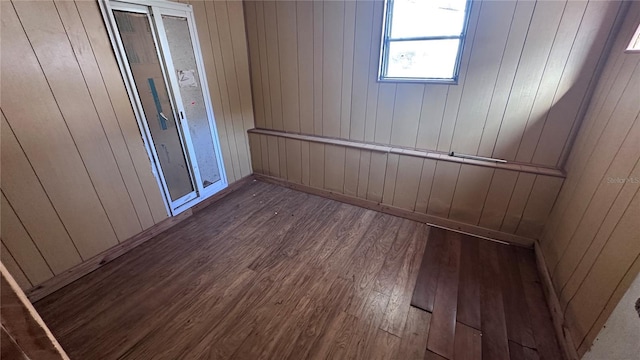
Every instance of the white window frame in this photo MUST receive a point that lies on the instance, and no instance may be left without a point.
(386, 40)
(157, 8)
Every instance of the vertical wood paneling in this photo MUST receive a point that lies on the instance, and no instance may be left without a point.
(373, 85)
(454, 93)
(406, 114)
(316, 165)
(348, 44)
(294, 160)
(540, 36)
(361, 58)
(332, 45)
(407, 182)
(384, 113)
(30, 202)
(585, 56)
(390, 176)
(443, 188)
(66, 180)
(21, 246)
(251, 19)
(503, 200)
(435, 97)
(75, 169)
(282, 156)
(99, 41)
(495, 206)
(225, 108)
(506, 75)
(517, 202)
(612, 263)
(543, 194)
(597, 223)
(14, 268)
(49, 41)
(363, 173)
(256, 155)
(318, 47)
(100, 97)
(334, 167)
(377, 173)
(304, 34)
(510, 98)
(232, 68)
(235, 14)
(426, 182)
(263, 60)
(288, 48)
(591, 239)
(483, 70)
(560, 50)
(471, 190)
(351, 171)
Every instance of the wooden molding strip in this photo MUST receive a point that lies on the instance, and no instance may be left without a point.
(448, 224)
(23, 327)
(67, 277)
(562, 332)
(520, 167)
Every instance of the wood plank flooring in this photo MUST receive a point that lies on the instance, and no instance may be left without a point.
(485, 300)
(272, 273)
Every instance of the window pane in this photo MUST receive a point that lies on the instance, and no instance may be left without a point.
(413, 18)
(184, 61)
(422, 59)
(140, 48)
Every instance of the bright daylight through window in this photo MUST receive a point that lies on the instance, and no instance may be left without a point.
(422, 40)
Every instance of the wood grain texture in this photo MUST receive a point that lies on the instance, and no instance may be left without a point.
(589, 242)
(518, 63)
(468, 343)
(276, 273)
(81, 182)
(24, 334)
(510, 200)
(445, 305)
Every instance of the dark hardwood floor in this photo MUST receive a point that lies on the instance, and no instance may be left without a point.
(271, 273)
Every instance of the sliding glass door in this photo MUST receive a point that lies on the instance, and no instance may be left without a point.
(159, 55)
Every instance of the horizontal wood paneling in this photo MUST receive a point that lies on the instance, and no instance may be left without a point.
(460, 192)
(76, 178)
(592, 239)
(527, 70)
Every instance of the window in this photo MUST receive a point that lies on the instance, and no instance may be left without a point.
(634, 45)
(422, 40)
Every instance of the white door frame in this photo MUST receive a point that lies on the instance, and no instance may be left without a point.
(154, 10)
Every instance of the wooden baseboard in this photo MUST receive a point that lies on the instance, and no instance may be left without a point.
(474, 230)
(67, 277)
(562, 332)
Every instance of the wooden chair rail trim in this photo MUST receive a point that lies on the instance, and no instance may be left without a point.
(436, 221)
(433, 155)
(67, 277)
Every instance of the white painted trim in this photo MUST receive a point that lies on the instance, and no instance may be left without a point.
(107, 16)
(157, 9)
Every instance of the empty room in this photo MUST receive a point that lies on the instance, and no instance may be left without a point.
(320, 179)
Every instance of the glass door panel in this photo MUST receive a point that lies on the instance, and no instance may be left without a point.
(142, 56)
(189, 92)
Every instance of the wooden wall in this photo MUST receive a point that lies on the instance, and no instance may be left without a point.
(508, 201)
(592, 241)
(76, 179)
(526, 72)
